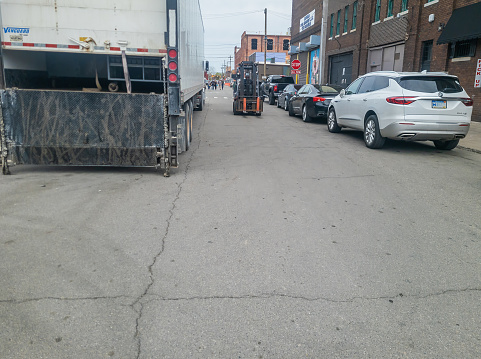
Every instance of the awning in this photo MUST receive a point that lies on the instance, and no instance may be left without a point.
(464, 24)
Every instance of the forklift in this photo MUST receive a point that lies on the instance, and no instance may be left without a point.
(246, 90)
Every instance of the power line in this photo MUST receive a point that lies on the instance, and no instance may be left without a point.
(216, 16)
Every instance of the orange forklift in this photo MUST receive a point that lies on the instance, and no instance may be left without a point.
(246, 90)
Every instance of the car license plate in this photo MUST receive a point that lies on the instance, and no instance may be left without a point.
(439, 104)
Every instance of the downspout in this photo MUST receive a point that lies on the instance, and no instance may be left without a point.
(360, 39)
(322, 52)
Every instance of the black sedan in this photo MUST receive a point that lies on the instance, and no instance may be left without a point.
(312, 101)
(284, 96)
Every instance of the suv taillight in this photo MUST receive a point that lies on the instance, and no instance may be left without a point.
(401, 100)
(467, 101)
(318, 99)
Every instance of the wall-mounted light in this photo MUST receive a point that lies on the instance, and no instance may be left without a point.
(441, 26)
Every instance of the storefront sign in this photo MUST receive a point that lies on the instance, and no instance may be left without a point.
(307, 21)
(477, 78)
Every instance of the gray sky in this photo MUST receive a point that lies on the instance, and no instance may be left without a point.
(225, 21)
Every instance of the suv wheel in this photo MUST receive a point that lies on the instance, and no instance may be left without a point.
(372, 136)
(446, 145)
(332, 125)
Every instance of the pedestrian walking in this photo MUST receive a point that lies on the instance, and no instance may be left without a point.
(222, 84)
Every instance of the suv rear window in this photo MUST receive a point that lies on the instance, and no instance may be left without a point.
(431, 84)
(283, 80)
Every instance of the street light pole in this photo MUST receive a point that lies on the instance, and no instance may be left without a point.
(265, 43)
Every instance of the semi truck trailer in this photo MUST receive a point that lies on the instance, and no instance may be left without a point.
(99, 83)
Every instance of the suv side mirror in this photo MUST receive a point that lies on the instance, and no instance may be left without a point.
(342, 93)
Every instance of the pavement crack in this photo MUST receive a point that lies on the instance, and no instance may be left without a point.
(138, 305)
(309, 299)
(27, 300)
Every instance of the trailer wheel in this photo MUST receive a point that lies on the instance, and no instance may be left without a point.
(191, 120)
(188, 121)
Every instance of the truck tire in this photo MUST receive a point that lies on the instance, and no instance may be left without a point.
(272, 99)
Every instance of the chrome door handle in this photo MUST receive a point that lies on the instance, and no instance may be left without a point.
(364, 99)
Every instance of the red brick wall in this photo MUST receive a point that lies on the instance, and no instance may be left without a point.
(246, 49)
(350, 42)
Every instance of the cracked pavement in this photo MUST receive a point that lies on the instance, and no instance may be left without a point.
(274, 239)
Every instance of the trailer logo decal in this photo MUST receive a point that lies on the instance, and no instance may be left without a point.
(16, 30)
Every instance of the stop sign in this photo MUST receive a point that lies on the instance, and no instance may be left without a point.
(296, 64)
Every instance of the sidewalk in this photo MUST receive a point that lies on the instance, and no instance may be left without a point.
(473, 139)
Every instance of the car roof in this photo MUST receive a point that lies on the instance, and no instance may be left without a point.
(405, 74)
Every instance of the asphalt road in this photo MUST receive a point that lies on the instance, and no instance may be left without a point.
(274, 239)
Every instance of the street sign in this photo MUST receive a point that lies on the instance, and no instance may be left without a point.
(477, 79)
(295, 72)
(296, 64)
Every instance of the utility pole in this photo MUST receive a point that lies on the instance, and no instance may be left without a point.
(230, 63)
(265, 43)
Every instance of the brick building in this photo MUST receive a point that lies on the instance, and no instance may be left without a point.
(252, 43)
(404, 35)
(307, 29)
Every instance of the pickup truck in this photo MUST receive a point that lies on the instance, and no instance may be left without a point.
(273, 86)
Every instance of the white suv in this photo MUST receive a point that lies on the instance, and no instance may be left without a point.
(411, 106)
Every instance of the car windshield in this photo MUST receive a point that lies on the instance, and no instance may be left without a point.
(283, 80)
(328, 89)
(431, 84)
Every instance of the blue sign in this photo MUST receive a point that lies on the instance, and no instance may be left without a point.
(16, 30)
(307, 21)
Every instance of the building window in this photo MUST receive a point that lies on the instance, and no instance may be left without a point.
(426, 55)
(285, 45)
(338, 25)
(389, 8)
(270, 44)
(346, 12)
(254, 44)
(354, 15)
(404, 5)
(377, 16)
(463, 49)
(332, 25)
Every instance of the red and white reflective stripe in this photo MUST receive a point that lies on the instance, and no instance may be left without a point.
(77, 47)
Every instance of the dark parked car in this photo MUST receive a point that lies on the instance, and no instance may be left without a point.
(284, 96)
(312, 101)
(273, 86)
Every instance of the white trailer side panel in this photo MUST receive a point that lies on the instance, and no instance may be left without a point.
(141, 23)
(191, 47)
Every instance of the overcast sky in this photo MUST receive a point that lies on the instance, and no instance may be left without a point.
(225, 21)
